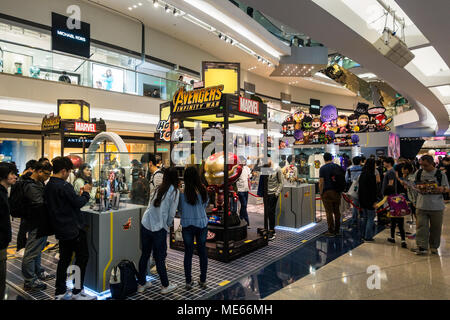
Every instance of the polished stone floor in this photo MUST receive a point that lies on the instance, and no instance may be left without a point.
(402, 275)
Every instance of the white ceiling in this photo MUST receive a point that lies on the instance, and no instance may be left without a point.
(328, 21)
(179, 28)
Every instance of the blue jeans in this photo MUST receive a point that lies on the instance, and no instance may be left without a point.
(243, 199)
(156, 242)
(31, 263)
(367, 223)
(200, 234)
(355, 213)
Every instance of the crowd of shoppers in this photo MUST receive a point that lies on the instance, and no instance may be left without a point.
(389, 190)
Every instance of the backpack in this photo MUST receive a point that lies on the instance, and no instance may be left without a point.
(338, 179)
(17, 201)
(398, 207)
(437, 175)
(122, 281)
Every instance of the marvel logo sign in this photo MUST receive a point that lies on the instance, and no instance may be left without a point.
(248, 106)
(85, 127)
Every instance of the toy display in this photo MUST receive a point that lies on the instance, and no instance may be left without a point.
(333, 128)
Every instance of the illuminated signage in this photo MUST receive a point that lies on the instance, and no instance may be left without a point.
(85, 127)
(163, 128)
(197, 99)
(248, 106)
(73, 41)
(50, 123)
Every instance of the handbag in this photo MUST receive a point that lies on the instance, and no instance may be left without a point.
(353, 191)
(179, 234)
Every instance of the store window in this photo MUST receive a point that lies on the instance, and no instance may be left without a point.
(19, 150)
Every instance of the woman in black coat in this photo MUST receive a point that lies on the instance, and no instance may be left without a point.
(367, 194)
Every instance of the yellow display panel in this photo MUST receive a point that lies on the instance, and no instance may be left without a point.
(86, 115)
(165, 113)
(70, 111)
(227, 77)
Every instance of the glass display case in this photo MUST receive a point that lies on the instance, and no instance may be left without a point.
(118, 179)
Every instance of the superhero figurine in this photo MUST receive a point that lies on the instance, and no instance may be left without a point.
(381, 122)
(353, 123)
(363, 120)
(307, 123)
(371, 126)
(342, 122)
(316, 124)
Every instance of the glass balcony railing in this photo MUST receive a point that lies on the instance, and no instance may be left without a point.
(43, 64)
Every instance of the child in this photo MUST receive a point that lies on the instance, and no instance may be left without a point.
(398, 208)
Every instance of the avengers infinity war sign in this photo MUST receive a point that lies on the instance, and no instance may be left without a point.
(197, 99)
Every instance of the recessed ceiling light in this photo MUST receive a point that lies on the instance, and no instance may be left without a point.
(140, 3)
(155, 3)
(134, 6)
(130, 8)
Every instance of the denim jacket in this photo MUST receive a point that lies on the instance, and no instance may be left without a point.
(155, 219)
(193, 215)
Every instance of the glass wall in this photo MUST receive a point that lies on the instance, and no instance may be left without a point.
(27, 53)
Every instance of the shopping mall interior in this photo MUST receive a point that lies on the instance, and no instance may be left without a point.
(306, 99)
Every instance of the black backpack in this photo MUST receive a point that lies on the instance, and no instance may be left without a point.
(437, 175)
(17, 201)
(122, 282)
(338, 179)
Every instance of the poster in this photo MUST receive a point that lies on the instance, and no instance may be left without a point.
(394, 146)
(107, 78)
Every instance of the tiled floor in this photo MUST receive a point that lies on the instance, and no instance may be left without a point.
(403, 275)
(220, 275)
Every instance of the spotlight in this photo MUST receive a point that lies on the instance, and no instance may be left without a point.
(155, 3)
(259, 59)
(229, 40)
(176, 13)
(168, 9)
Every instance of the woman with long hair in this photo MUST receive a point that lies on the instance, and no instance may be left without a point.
(192, 205)
(367, 194)
(82, 177)
(155, 225)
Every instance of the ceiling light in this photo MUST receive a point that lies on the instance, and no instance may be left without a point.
(428, 61)
(167, 9)
(228, 40)
(259, 59)
(233, 24)
(130, 8)
(134, 6)
(140, 3)
(155, 3)
(443, 90)
(198, 22)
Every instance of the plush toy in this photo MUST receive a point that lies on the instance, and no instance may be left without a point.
(342, 122)
(355, 139)
(353, 123)
(316, 124)
(298, 136)
(361, 108)
(363, 120)
(328, 113)
(372, 126)
(288, 126)
(298, 116)
(381, 122)
(329, 137)
(322, 137)
(307, 137)
(307, 123)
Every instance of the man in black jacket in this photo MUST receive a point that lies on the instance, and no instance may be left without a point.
(63, 206)
(33, 190)
(8, 176)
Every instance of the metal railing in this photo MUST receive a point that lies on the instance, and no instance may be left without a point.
(27, 61)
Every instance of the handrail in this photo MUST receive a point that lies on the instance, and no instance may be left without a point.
(84, 59)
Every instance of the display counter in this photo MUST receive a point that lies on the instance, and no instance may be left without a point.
(296, 206)
(113, 236)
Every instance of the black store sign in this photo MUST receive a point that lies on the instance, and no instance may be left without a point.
(76, 142)
(75, 41)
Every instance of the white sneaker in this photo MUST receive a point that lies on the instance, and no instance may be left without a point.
(142, 288)
(170, 288)
(20, 253)
(83, 296)
(65, 296)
